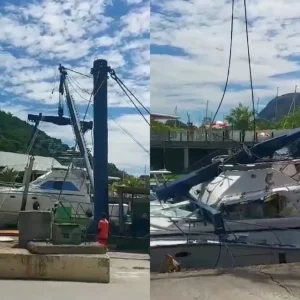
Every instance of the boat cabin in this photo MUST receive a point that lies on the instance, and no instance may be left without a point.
(254, 191)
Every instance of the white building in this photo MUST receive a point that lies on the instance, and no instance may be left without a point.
(18, 162)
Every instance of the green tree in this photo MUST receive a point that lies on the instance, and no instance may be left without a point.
(8, 175)
(290, 121)
(240, 117)
(131, 181)
(15, 136)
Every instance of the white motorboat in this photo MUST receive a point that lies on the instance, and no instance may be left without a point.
(260, 207)
(71, 191)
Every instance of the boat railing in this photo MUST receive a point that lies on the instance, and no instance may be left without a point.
(10, 184)
(78, 211)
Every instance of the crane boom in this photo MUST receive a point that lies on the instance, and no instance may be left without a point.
(75, 122)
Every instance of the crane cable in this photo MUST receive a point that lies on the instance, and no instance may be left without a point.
(125, 89)
(229, 66)
(250, 72)
(229, 62)
(111, 118)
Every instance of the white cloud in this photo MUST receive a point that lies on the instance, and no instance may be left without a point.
(73, 32)
(201, 30)
(38, 35)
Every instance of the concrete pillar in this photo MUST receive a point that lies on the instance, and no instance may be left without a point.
(186, 158)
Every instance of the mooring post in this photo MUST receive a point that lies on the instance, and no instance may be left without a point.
(100, 75)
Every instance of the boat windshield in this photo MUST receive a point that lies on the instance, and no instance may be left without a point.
(40, 179)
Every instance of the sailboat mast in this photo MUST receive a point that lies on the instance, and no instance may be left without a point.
(206, 110)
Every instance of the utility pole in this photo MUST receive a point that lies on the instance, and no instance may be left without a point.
(100, 74)
(206, 110)
(257, 105)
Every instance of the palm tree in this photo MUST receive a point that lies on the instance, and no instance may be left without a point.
(8, 175)
(240, 117)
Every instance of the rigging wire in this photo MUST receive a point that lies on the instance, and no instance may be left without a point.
(250, 71)
(121, 127)
(78, 84)
(229, 61)
(73, 88)
(29, 148)
(129, 134)
(79, 73)
(122, 96)
(120, 82)
(125, 92)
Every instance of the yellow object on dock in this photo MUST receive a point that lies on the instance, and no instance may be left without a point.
(169, 265)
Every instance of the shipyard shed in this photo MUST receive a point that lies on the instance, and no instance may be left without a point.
(18, 162)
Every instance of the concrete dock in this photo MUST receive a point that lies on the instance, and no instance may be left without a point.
(272, 282)
(130, 280)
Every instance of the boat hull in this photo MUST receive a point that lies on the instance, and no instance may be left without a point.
(10, 205)
(211, 255)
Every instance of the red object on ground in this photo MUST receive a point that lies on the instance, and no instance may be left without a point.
(102, 242)
(103, 229)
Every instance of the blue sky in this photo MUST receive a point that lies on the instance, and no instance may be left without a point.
(38, 35)
(190, 47)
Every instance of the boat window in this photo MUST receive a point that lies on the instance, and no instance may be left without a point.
(59, 185)
(270, 207)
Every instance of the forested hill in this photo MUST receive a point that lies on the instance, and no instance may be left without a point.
(279, 107)
(15, 136)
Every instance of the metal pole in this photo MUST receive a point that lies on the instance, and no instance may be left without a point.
(276, 106)
(295, 99)
(27, 176)
(100, 74)
(206, 109)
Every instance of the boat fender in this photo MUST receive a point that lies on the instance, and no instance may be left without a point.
(169, 265)
(89, 213)
(36, 205)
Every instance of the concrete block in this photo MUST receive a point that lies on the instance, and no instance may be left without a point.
(47, 248)
(34, 226)
(20, 264)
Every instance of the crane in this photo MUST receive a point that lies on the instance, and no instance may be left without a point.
(79, 127)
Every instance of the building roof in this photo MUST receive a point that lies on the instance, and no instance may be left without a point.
(157, 116)
(19, 161)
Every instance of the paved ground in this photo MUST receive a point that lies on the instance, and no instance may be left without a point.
(279, 282)
(130, 280)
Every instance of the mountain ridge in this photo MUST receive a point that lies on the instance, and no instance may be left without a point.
(280, 106)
